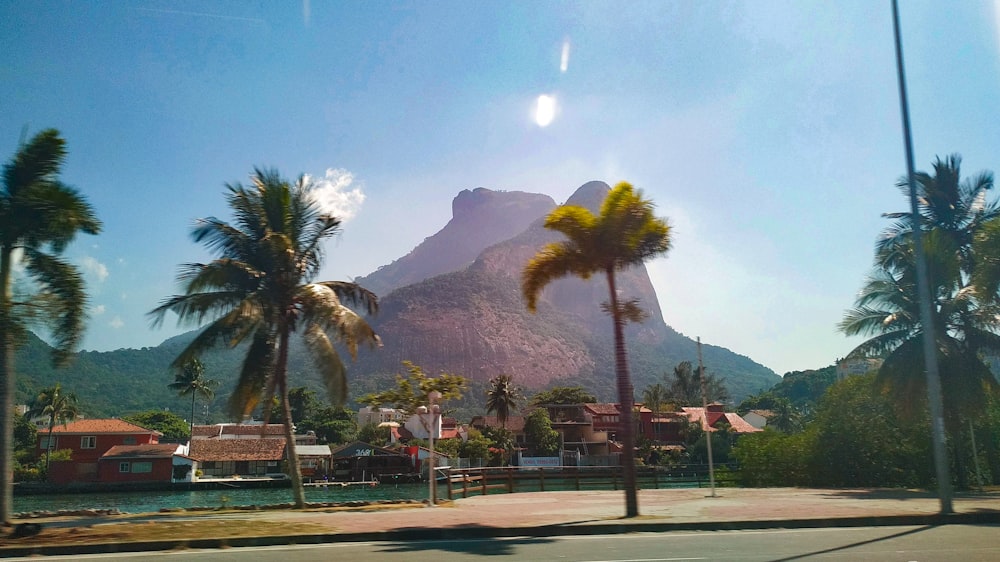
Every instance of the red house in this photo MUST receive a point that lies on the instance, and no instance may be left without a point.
(145, 463)
(88, 441)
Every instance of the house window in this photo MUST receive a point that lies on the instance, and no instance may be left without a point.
(43, 443)
(123, 467)
(141, 467)
(129, 440)
(208, 465)
(88, 442)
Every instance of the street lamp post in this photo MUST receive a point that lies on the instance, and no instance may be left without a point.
(433, 411)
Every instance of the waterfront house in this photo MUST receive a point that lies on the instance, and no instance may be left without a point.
(146, 463)
(714, 416)
(88, 441)
(250, 458)
(361, 462)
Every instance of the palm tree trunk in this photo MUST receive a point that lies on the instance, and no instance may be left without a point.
(48, 445)
(298, 490)
(7, 389)
(626, 401)
(191, 432)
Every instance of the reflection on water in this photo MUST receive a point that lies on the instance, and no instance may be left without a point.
(144, 502)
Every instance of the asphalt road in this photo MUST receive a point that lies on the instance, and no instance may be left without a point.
(966, 543)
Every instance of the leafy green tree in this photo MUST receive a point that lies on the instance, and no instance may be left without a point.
(861, 441)
(539, 433)
(563, 395)
(333, 425)
(477, 446)
(623, 235)
(172, 426)
(954, 217)
(684, 387)
(372, 434)
(261, 289)
(502, 397)
(190, 379)
(772, 458)
(57, 406)
(784, 417)
(39, 217)
(412, 390)
(25, 439)
(499, 439)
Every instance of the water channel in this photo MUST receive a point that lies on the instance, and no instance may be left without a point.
(145, 502)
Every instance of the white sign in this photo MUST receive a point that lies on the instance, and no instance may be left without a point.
(540, 461)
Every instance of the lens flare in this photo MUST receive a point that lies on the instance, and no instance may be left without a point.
(564, 60)
(545, 110)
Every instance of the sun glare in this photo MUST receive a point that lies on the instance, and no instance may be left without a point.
(545, 110)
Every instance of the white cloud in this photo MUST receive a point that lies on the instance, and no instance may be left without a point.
(116, 322)
(91, 265)
(335, 195)
(98, 310)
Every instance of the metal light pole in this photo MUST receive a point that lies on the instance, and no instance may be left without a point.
(923, 292)
(433, 410)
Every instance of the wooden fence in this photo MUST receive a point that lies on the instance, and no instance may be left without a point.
(460, 482)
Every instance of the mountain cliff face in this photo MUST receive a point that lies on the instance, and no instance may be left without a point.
(473, 322)
(480, 218)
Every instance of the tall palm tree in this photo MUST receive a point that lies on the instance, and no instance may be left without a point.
(58, 406)
(190, 379)
(39, 217)
(624, 234)
(502, 397)
(684, 386)
(956, 219)
(261, 289)
(654, 397)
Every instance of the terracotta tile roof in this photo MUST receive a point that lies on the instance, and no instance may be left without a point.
(92, 427)
(239, 429)
(238, 449)
(602, 409)
(141, 451)
(737, 423)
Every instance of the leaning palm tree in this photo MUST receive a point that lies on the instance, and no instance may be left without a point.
(57, 406)
(624, 234)
(502, 397)
(190, 379)
(39, 217)
(261, 289)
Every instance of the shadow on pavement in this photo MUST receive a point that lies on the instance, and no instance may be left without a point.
(859, 543)
(465, 541)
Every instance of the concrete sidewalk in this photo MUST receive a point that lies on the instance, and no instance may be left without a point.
(569, 513)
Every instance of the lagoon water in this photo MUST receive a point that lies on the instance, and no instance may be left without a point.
(145, 502)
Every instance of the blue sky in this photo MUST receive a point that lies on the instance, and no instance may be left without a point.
(768, 132)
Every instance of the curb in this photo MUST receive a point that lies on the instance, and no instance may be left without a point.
(476, 532)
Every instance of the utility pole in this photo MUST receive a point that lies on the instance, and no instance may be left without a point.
(704, 407)
(923, 292)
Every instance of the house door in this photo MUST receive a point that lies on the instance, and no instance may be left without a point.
(242, 467)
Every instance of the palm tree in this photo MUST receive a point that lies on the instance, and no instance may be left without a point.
(502, 397)
(58, 406)
(624, 234)
(654, 397)
(956, 219)
(190, 380)
(685, 386)
(260, 289)
(39, 217)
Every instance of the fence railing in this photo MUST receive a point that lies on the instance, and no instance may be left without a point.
(461, 482)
